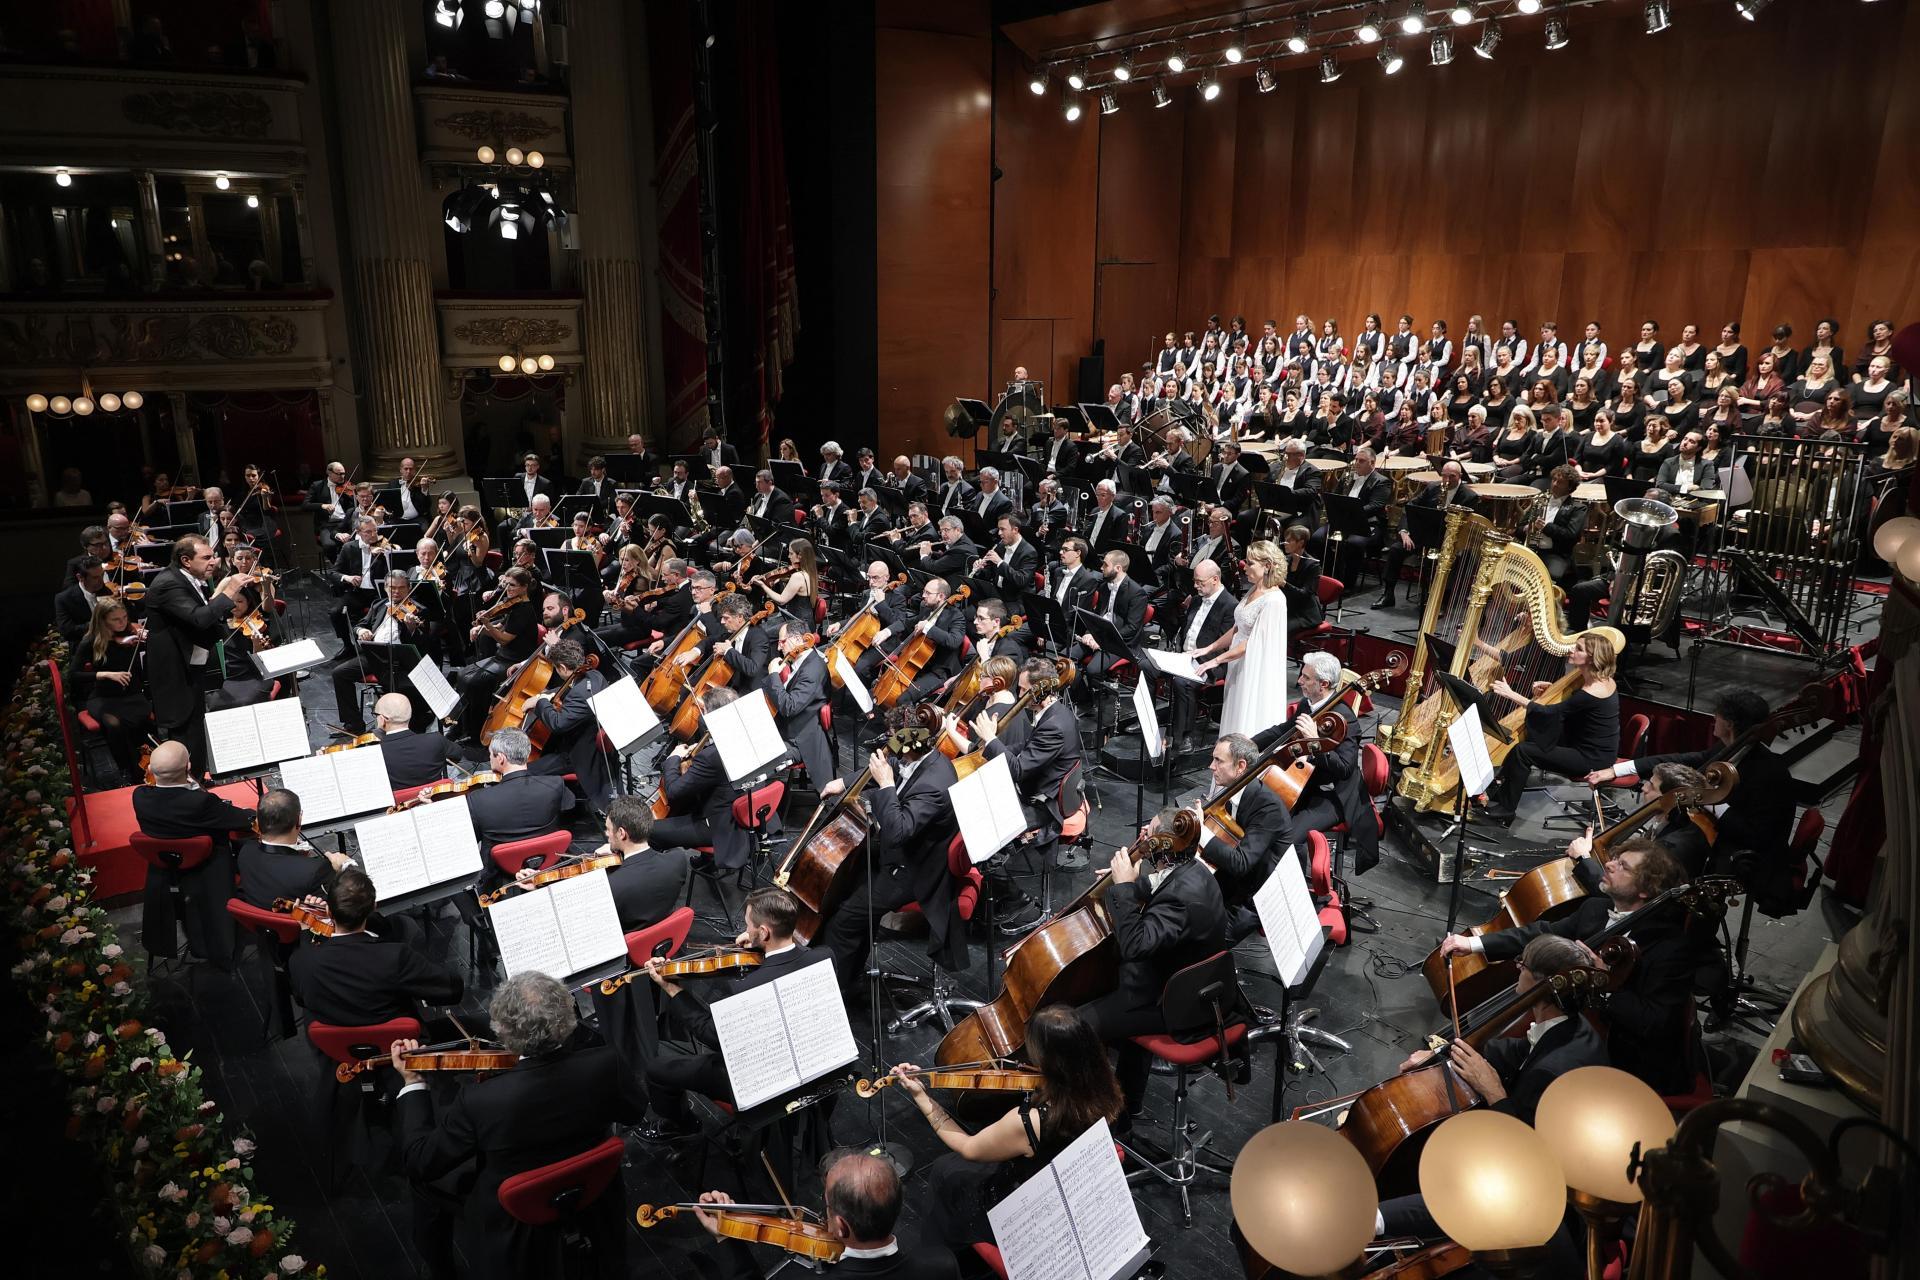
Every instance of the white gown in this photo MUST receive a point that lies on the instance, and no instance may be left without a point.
(1256, 696)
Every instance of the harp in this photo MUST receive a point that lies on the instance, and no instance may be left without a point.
(1494, 600)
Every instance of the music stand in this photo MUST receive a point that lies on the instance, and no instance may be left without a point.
(546, 539)
(974, 417)
(1045, 619)
(1346, 518)
(1620, 488)
(569, 571)
(574, 504)
(1190, 488)
(1100, 418)
(1018, 463)
(186, 512)
(396, 660)
(647, 503)
(697, 469)
(721, 512)
(790, 476)
(630, 470)
(1427, 526)
(388, 496)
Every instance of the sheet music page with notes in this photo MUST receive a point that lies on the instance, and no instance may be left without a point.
(362, 777)
(1036, 1237)
(816, 1015)
(233, 739)
(390, 855)
(624, 713)
(746, 736)
(988, 807)
(529, 934)
(432, 686)
(753, 1042)
(448, 846)
(312, 779)
(280, 659)
(589, 922)
(1073, 1220)
(282, 728)
(1290, 921)
(854, 684)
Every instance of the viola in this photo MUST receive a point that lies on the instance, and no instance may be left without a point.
(565, 869)
(315, 920)
(468, 1057)
(856, 635)
(968, 689)
(715, 962)
(767, 1224)
(912, 657)
(252, 627)
(718, 671)
(452, 787)
(991, 1079)
(358, 740)
(1068, 960)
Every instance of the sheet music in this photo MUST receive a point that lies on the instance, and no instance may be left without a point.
(754, 1045)
(589, 922)
(1470, 752)
(433, 687)
(313, 780)
(233, 739)
(746, 736)
(1177, 665)
(1149, 721)
(624, 713)
(1100, 1204)
(390, 854)
(988, 807)
(854, 684)
(362, 777)
(529, 934)
(281, 659)
(449, 849)
(283, 730)
(817, 1026)
(1288, 917)
(1035, 1233)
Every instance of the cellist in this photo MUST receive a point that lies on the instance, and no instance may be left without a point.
(1045, 752)
(572, 731)
(946, 628)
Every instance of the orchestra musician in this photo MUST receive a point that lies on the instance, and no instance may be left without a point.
(796, 685)
(1048, 516)
(1123, 602)
(1241, 867)
(913, 488)
(798, 595)
(1070, 583)
(1365, 484)
(510, 629)
(1208, 616)
(74, 605)
(521, 805)
(1559, 526)
(769, 502)
(332, 498)
(1161, 539)
(358, 977)
(953, 554)
(413, 756)
(1013, 561)
(95, 544)
(572, 731)
(173, 807)
(105, 675)
(1334, 792)
(185, 621)
(988, 501)
(651, 881)
(1302, 585)
(598, 485)
(988, 617)
(1040, 761)
(868, 521)
(277, 862)
(1062, 453)
(1450, 490)
(392, 619)
(1573, 736)
(946, 628)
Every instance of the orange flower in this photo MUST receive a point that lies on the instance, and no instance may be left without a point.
(206, 1251)
(186, 1131)
(95, 1068)
(40, 895)
(49, 933)
(60, 860)
(63, 1042)
(76, 970)
(131, 1120)
(219, 1195)
(171, 1067)
(129, 1029)
(262, 1241)
(122, 972)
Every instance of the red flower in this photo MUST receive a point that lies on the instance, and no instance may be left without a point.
(60, 860)
(262, 1241)
(129, 1029)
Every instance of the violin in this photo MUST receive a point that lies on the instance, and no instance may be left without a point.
(315, 920)
(252, 627)
(716, 961)
(768, 1224)
(993, 1079)
(452, 787)
(565, 869)
(468, 1057)
(357, 740)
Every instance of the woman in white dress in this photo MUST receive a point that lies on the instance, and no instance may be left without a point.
(1256, 647)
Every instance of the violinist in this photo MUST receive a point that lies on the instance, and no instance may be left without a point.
(699, 797)
(631, 619)
(255, 625)
(1268, 829)
(929, 618)
(862, 1195)
(981, 1169)
(73, 606)
(504, 633)
(215, 524)
(95, 543)
(583, 538)
(173, 807)
(1041, 762)
(277, 862)
(1649, 1016)
(427, 566)
(413, 756)
(911, 800)
(521, 804)
(556, 1102)
(353, 566)
(1334, 792)
(105, 676)
(769, 916)
(332, 500)
(797, 595)
(598, 485)
(650, 882)
(1165, 917)
(392, 619)
(796, 685)
(416, 498)
(572, 732)
(621, 525)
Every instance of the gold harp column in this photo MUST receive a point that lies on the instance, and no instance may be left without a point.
(397, 344)
(613, 386)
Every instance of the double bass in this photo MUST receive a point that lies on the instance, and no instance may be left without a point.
(912, 657)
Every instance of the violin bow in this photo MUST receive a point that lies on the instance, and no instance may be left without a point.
(767, 1164)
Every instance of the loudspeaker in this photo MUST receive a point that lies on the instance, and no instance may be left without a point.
(1092, 383)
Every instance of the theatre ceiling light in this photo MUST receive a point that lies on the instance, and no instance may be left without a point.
(1236, 50)
(1556, 33)
(1489, 39)
(1123, 69)
(253, 202)
(1390, 61)
(1659, 17)
(1329, 69)
(1263, 78)
(1177, 60)
(1462, 14)
(1529, 6)
(1297, 42)
(1077, 75)
(1161, 98)
(1210, 86)
(1037, 82)
(61, 178)
(1751, 9)
(222, 181)
(1073, 109)
(83, 405)
(515, 156)
(486, 154)
(1416, 20)
(1440, 48)
(1369, 29)
(1109, 102)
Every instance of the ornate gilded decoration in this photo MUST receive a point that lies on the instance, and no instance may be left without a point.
(217, 113)
(512, 332)
(496, 125)
(131, 339)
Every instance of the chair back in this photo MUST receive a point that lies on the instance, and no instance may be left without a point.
(1374, 770)
(663, 939)
(1803, 855)
(958, 863)
(1072, 797)
(283, 928)
(405, 794)
(183, 854)
(350, 1044)
(751, 811)
(536, 853)
(1202, 998)
(540, 1196)
(1330, 590)
(1634, 736)
(1319, 864)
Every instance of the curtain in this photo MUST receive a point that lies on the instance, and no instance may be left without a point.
(683, 327)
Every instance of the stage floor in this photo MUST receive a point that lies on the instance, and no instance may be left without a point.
(1370, 993)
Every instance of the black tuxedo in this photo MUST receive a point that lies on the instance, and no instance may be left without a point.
(545, 1109)
(779, 506)
(275, 871)
(796, 709)
(415, 758)
(948, 632)
(1561, 534)
(1041, 763)
(177, 623)
(173, 813)
(1216, 620)
(1127, 604)
(951, 495)
(950, 560)
(1335, 791)
(355, 560)
(1241, 869)
(518, 807)
(1526, 1069)
(72, 615)
(1014, 574)
(1432, 497)
(990, 506)
(838, 472)
(1161, 549)
(603, 490)
(649, 885)
(1758, 821)
(357, 979)
(701, 802)
(1232, 483)
(1376, 491)
(913, 822)
(573, 740)
(669, 614)
(869, 524)
(1060, 456)
(1103, 529)
(1085, 584)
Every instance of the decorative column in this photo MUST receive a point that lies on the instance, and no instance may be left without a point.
(397, 345)
(613, 388)
(186, 449)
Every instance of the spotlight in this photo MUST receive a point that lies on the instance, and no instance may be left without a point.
(509, 222)
(467, 206)
(1235, 52)
(1489, 39)
(1416, 20)
(1109, 102)
(253, 202)
(1440, 48)
(1556, 33)
(1177, 60)
(221, 181)
(1390, 62)
(486, 155)
(132, 400)
(1329, 69)
(495, 9)
(1751, 9)
(1123, 69)
(109, 403)
(1073, 106)
(60, 404)
(1462, 14)
(1529, 6)
(61, 178)
(1370, 29)
(508, 364)
(1263, 78)
(546, 364)
(1077, 76)
(36, 403)
(1297, 42)
(1659, 17)
(444, 16)
(515, 155)
(1209, 86)
(1037, 82)
(535, 160)
(1161, 98)
(528, 365)
(83, 405)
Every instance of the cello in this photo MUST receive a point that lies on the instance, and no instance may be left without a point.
(538, 731)
(856, 635)
(1548, 892)
(666, 682)
(1063, 674)
(685, 721)
(1289, 782)
(913, 655)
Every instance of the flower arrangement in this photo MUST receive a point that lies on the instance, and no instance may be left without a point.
(178, 1185)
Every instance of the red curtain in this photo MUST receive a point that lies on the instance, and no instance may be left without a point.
(683, 325)
(768, 250)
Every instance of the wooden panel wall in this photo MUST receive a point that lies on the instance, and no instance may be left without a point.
(1723, 170)
(933, 97)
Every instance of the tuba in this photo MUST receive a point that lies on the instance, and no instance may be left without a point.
(1652, 598)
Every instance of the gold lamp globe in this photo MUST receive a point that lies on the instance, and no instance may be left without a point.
(1591, 1118)
(1304, 1198)
(1492, 1183)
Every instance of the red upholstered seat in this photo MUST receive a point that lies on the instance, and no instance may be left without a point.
(88, 723)
(540, 1196)
(183, 854)
(535, 852)
(284, 928)
(1320, 884)
(349, 1044)
(1183, 1054)
(405, 794)
(990, 1254)
(961, 868)
(753, 809)
(672, 931)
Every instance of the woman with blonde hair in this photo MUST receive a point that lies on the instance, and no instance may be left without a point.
(1255, 651)
(105, 676)
(1574, 736)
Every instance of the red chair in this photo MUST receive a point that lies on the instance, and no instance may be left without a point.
(662, 939)
(1702, 1091)
(1330, 592)
(278, 935)
(990, 1254)
(750, 814)
(1201, 1005)
(546, 1195)
(1320, 884)
(1803, 855)
(1375, 772)
(1633, 739)
(172, 859)
(535, 853)
(347, 1104)
(941, 999)
(352, 1044)
(404, 794)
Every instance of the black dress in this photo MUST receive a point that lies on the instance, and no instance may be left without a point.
(124, 713)
(1646, 465)
(964, 1189)
(1582, 415)
(1735, 362)
(1630, 420)
(1609, 456)
(1572, 737)
(1498, 411)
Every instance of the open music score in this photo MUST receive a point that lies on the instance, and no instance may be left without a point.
(338, 783)
(254, 736)
(431, 685)
(624, 713)
(746, 736)
(284, 658)
(779, 1036)
(1148, 718)
(855, 686)
(1073, 1220)
(418, 848)
(1470, 750)
(568, 930)
(988, 807)
(1288, 918)
(1175, 664)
